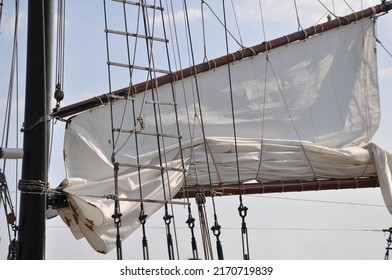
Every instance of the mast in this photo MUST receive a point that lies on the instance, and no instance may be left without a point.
(36, 130)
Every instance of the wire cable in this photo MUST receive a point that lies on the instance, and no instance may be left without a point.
(116, 211)
(241, 208)
(60, 54)
(13, 94)
(296, 12)
(216, 228)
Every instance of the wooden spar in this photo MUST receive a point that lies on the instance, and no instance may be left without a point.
(223, 60)
(279, 187)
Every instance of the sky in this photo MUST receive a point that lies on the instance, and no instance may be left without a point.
(313, 225)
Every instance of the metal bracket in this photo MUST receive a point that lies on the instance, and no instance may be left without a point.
(57, 201)
(43, 119)
(2, 178)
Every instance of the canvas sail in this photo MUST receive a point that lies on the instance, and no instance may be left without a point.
(303, 111)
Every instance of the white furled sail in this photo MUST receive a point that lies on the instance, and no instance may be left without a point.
(303, 111)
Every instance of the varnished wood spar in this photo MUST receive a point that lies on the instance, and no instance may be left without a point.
(223, 60)
(279, 187)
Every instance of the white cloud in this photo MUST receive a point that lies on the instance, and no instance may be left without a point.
(385, 75)
(193, 14)
(8, 24)
(179, 17)
(309, 11)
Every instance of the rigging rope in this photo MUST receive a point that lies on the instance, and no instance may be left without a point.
(142, 215)
(239, 42)
(365, 88)
(149, 33)
(352, 10)
(204, 32)
(190, 221)
(241, 209)
(296, 12)
(333, 6)
(203, 221)
(60, 43)
(148, 21)
(1, 12)
(216, 229)
(237, 24)
(264, 94)
(5, 197)
(116, 211)
(291, 118)
(6, 201)
(389, 243)
(385, 48)
(115, 139)
(332, 13)
(263, 117)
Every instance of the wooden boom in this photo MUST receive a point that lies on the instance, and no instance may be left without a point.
(278, 187)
